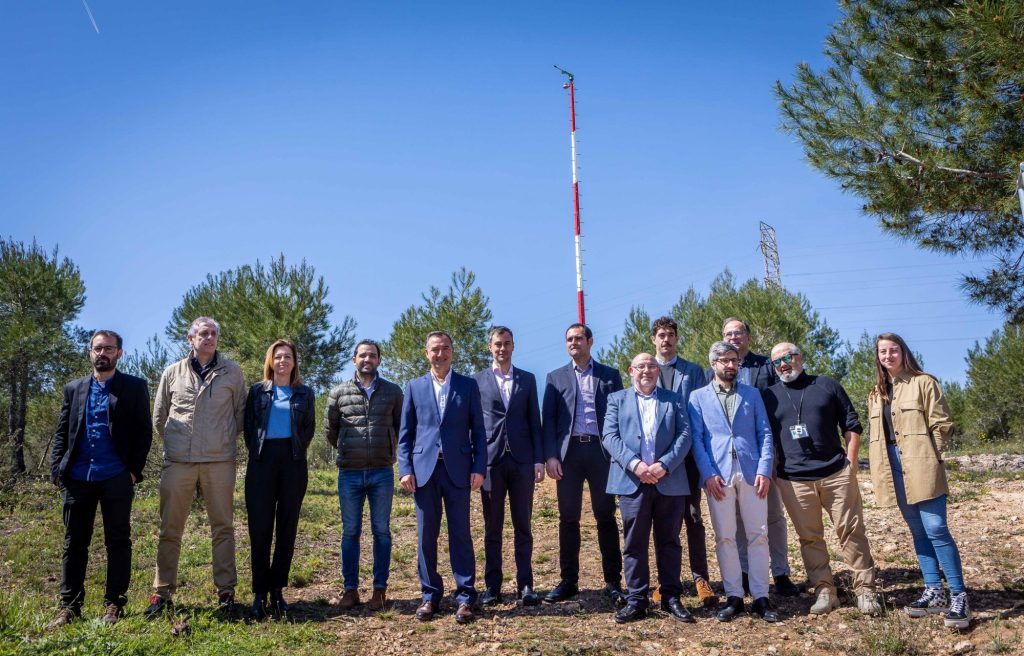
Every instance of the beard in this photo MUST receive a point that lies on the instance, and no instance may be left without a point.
(790, 376)
(728, 375)
(103, 365)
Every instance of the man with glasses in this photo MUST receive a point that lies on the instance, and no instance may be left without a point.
(816, 473)
(756, 370)
(198, 412)
(99, 450)
(732, 443)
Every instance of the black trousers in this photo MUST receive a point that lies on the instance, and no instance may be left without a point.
(274, 488)
(114, 497)
(643, 510)
(696, 547)
(508, 478)
(586, 462)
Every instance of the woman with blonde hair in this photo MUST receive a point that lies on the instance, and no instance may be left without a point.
(279, 423)
(910, 429)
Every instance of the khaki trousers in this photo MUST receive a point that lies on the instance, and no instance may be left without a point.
(839, 496)
(178, 482)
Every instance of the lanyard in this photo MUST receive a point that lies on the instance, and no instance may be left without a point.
(799, 409)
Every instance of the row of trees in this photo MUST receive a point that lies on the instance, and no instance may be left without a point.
(41, 347)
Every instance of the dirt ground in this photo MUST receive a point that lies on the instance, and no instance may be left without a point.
(985, 516)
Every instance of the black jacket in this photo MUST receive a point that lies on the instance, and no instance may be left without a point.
(365, 431)
(131, 425)
(257, 414)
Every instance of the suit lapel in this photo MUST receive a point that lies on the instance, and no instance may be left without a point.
(448, 395)
(82, 398)
(515, 385)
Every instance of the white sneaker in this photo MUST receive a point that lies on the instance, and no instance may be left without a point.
(825, 602)
(867, 604)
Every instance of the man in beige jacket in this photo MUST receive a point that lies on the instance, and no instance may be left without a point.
(198, 413)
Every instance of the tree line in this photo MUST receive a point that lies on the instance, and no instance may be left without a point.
(41, 346)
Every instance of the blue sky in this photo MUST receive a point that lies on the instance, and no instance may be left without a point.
(390, 143)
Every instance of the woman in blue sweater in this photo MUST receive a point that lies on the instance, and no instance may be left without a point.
(279, 423)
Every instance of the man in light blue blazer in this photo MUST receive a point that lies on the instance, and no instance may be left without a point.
(648, 436)
(734, 449)
(442, 456)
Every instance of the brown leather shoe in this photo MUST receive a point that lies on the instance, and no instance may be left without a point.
(426, 610)
(378, 599)
(112, 613)
(64, 617)
(705, 594)
(464, 615)
(350, 599)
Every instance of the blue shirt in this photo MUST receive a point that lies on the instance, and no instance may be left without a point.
(585, 416)
(369, 389)
(279, 424)
(97, 459)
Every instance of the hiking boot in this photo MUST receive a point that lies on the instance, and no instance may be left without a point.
(66, 615)
(867, 604)
(158, 606)
(379, 598)
(226, 603)
(112, 613)
(705, 595)
(825, 602)
(350, 599)
(932, 601)
(959, 615)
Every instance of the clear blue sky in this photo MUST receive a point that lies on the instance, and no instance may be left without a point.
(389, 143)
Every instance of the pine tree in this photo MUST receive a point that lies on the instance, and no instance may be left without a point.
(921, 114)
(995, 391)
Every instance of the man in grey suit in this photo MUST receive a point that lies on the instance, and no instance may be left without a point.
(648, 436)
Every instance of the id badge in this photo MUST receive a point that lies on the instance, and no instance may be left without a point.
(799, 431)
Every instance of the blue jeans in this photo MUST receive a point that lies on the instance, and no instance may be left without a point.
(355, 487)
(933, 543)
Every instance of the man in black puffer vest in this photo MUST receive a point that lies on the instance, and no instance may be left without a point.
(363, 415)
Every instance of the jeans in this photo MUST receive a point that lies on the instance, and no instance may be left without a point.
(933, 543)
(354, 488)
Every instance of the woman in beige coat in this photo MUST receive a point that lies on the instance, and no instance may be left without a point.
(910, 428)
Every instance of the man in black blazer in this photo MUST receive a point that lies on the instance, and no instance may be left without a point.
(515, 461)
(99, 450)
(575, 400)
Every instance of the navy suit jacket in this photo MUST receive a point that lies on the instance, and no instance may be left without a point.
(519, 425)
(623, 432)
(131, 424)
(559, 407)
(688, 377)
(460, 433)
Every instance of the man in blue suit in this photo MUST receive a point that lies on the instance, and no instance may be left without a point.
(442, 453)
(647, 433)
(515, 461)
(575, 400)
(734, 449)
(682, 377)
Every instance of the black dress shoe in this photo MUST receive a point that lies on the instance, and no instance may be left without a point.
(785, 587)
(490, 597)
(528, 596)
(764, 610)
(615, 592)
(259, 607)
(561, 592)
(677, 610)
(732, 607)
(277, 602)
(630, 613)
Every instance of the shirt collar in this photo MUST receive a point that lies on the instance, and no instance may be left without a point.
(667, 362)
(719, 389)
(586, 369)
(497, 371)
(372, 382)
(641, 395)
(444, 382)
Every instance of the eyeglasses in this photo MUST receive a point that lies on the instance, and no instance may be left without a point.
(99, 350)
(645, 366)
(786, 358)
(728, 362)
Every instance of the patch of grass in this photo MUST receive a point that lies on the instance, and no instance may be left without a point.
(1003, 642)
(892, 636)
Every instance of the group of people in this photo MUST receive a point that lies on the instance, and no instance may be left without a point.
(759, 434)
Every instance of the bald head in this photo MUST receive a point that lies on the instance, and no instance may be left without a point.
(644, 372)
(788, 361)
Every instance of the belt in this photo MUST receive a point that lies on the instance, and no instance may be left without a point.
(586, 438)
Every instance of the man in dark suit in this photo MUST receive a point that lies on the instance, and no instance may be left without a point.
(647, 433)
(515, 461)
(442, 455)
(682, 377)
(575, 400)
(99, 450)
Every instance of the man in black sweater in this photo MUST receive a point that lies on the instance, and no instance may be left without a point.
(815, 473)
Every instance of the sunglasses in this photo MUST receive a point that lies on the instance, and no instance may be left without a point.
(788, 358)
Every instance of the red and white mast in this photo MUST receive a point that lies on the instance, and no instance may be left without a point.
(575, 194)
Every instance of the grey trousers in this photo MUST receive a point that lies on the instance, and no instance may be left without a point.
(778, 538)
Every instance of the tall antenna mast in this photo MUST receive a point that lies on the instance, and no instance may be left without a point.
(575, 193)
(770, 250)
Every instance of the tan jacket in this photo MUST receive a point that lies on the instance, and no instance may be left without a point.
(923, 429)
(199, 420)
